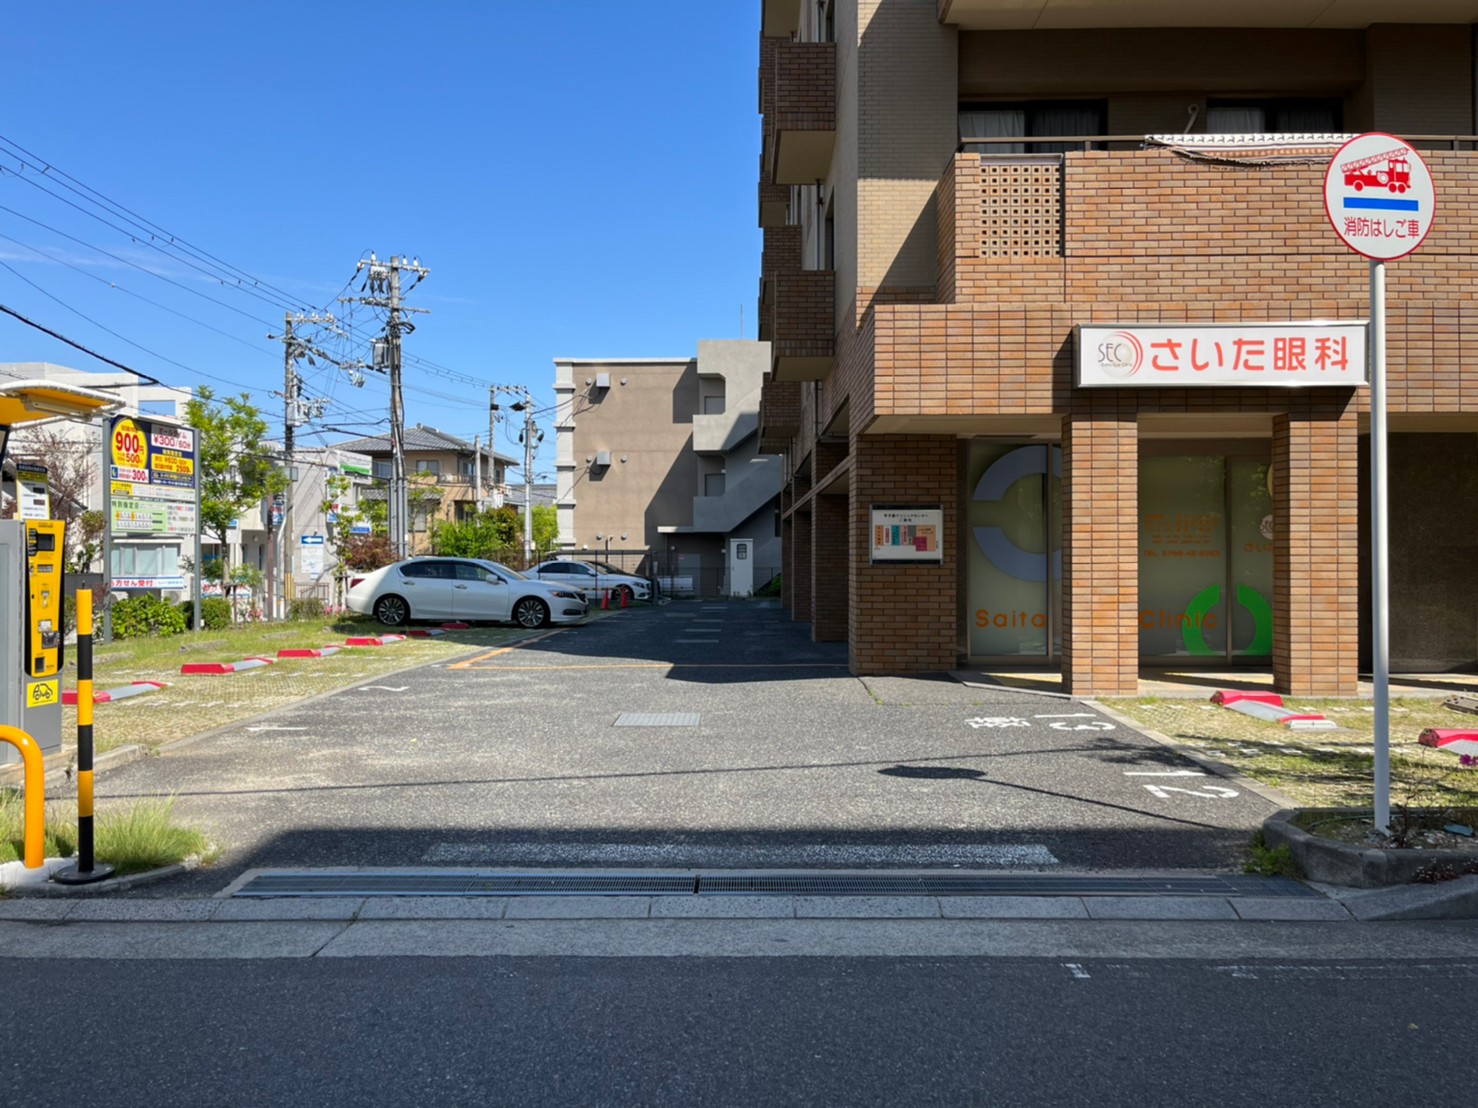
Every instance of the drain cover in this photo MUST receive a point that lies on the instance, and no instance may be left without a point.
(768, 883)
(657, 719)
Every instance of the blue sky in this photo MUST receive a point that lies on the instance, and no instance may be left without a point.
(579, 177)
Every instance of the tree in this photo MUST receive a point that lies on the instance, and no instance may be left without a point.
(490, 534)
(546, 530)
(70, 469)
(235, 472)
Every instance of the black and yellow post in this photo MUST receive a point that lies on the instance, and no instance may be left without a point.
(87, 869)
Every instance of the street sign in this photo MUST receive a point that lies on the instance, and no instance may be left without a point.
(1379, 196)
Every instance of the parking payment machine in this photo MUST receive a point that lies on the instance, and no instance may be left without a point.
(31, 630)
(32, 561)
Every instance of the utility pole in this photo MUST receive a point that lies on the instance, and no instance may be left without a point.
(492, 443)
(383, 284)
(295, 412)
(529, 437)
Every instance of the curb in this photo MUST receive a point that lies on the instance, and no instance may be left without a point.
(1351, 865)
(49, 891)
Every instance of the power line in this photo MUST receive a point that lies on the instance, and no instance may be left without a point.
(78, 346)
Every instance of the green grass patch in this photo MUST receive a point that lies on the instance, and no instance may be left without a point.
(1321, 769)
(134, 837)
(1266, 862)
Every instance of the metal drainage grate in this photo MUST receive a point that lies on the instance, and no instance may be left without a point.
(493, 883)
(657, 719)
(469, 884)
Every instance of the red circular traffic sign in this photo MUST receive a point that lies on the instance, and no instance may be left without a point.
(1379, 196)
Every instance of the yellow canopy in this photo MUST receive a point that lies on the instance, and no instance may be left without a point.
(29, 401)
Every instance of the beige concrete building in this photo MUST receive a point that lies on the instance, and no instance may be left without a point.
(658, 464)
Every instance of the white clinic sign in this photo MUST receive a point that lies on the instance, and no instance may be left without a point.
(1210, 355)
(1379, 196)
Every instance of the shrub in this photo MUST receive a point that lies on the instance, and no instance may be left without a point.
(146, 615)
(769, 588)
(215, 612)
(306, 607)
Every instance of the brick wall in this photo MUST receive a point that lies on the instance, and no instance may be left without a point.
(829, 560)
(804, 315)
(805, 86)
(1316, 556)
(798, 566)
(903, 618)
(787, 556)
(1100, 546)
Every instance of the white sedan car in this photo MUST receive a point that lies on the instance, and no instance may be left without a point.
(592, 581)
(467, 589)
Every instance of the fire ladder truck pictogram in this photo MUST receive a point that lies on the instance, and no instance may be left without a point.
(1395, 175)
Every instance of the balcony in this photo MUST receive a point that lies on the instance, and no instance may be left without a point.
(782, 254)
(718, 434)
(802, 131)
(780, 415)
(803, 327)
(774, 200)
(780, 18)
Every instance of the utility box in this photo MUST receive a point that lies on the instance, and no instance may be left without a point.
(31, 655)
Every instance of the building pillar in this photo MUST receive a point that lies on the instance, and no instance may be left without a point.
(830, 563)
(799, 561)
(1316, 562)
(787, 567)
(903, 618)
(1100, 540)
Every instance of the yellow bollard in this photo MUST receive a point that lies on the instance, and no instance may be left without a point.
(34, 783)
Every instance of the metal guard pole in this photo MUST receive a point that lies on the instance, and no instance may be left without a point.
(34, 783)
(86, 869)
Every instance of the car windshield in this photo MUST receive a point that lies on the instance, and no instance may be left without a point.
(606, 567)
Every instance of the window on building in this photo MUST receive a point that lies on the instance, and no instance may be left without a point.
(826, 21)
(429, 465)
(1273, 117)
(382, 468)
(145, 560)
(421, 516)
(713, 484)
(713, 404)
(829, 237)
(1054, 118)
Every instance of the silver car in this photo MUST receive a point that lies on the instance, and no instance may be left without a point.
(466, 589)
(592, 581)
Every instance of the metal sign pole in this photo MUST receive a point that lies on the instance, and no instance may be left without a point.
(1380, 645)
(107, 473)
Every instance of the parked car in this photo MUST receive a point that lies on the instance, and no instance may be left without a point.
(591, 581)
(468, 589)
(607, 568)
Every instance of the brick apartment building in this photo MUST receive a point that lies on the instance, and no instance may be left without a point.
(951, 189)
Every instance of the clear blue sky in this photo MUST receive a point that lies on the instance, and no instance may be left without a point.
(579, 177)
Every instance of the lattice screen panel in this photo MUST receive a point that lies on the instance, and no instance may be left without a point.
(1021, 211)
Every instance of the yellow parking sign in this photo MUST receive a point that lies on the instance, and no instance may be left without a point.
(41, 693)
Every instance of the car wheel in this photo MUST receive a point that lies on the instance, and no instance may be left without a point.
(531, 612)
(392, 611)
(624, 595)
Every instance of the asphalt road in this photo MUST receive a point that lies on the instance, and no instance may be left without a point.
(778, 757)
(746, 1031)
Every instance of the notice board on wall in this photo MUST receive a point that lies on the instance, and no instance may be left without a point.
(907, 534)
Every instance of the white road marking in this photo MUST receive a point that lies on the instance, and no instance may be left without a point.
(1091, 725)
(274, 727)
(1076, 970)
(1209, 792)
(1164, 773)
(1069, 715)
(384, 688)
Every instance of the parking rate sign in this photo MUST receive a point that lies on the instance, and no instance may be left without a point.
(1379, 196)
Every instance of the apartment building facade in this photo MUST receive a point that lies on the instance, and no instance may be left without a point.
(444, 472)
(960, 198)
(658, 462)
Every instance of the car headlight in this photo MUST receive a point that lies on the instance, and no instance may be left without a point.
(564, 595)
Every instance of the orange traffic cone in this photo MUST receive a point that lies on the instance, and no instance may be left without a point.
(605, 599)
(623, 597)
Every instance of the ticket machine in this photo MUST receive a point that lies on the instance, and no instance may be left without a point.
(32, 562)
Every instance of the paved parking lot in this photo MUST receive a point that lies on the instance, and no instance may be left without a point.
(699, 735)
